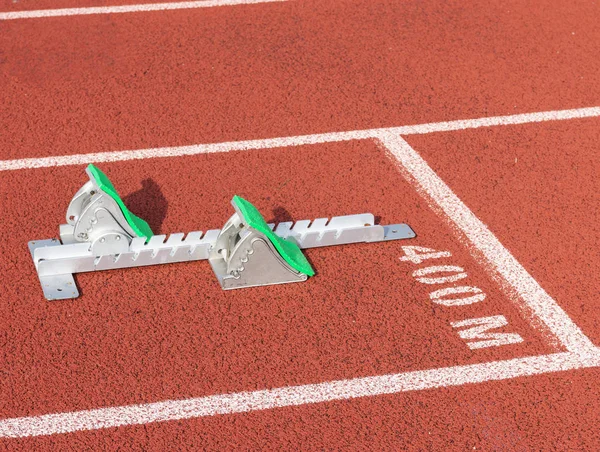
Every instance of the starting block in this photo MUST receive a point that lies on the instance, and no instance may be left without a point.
(102, 234)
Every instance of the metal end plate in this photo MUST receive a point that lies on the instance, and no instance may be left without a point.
(398, 232)
(55, 287)
(59, 287)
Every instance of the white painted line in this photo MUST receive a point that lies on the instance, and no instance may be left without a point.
(125, 8)
(524, 118)
(269, 143)
(242, 402)
(84, 159)
(519, 285)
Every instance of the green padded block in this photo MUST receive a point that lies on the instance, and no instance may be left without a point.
(290, 252)
(139, 226)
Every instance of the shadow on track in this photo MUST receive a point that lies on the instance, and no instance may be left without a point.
(149, 203)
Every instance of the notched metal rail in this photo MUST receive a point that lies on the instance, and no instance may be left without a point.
(341, 231)
(56, 263)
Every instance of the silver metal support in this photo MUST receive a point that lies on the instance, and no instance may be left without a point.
(94, 217)
(261, 266)
(55, 262)
(80, 257)
(56, 286)
(245, 257)
(341, 231)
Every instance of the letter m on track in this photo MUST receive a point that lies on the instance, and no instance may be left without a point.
(478, 332)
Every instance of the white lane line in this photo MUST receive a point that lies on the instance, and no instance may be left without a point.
(242, 402)
(81, 159)
(524, 118)
(36, 14)
(519, 285)
(269, 143)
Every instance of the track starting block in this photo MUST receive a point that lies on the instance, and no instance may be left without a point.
(102, 234)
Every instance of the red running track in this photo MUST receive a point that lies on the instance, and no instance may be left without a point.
(93, 84)
(128, 81)
(364, 315)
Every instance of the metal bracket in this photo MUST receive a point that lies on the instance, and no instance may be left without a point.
(54, 286)
(244, 257)
(94, 217)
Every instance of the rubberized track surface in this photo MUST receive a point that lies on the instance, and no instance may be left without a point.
(87, 88)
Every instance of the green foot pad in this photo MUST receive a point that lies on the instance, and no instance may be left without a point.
(139, 226)
(288, 250)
